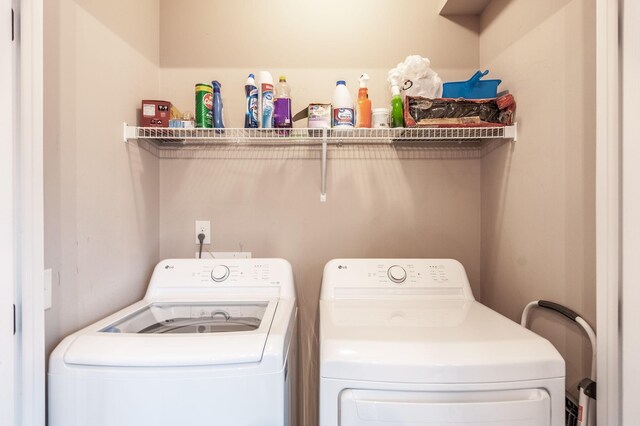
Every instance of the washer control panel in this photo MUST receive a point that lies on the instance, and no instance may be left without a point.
(224, 274)
(370, 277)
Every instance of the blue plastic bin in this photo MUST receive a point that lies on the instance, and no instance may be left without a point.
(474, 88)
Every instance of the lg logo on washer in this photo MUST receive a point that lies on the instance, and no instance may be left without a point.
(342, 266)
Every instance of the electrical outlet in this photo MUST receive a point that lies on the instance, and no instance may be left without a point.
(203, 227)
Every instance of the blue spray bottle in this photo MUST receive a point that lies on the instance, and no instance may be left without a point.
(251, 114)
(217, 105)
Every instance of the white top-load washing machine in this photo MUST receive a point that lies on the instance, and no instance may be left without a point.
(403, 342)
(212, 342)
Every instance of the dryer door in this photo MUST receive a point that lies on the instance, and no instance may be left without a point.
(525, 407)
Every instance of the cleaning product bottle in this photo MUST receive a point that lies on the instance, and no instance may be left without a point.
(397, 113)
(282, 107)
(363, 106)
(265, 100)
(251, 114)
(217, 105)
(342, 107)
(204, 106)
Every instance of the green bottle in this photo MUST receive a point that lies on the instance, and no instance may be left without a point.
(397, 115)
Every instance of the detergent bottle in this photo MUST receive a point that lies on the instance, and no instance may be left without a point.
(363, 106)
(251, 114)
(342, 107)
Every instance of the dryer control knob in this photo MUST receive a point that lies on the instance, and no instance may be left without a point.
(397, 274)
(219, 273)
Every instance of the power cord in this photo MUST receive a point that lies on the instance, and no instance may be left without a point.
(201, 239)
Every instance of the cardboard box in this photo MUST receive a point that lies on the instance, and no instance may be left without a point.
(155, 113)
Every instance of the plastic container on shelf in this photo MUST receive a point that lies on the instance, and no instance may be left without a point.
(204, 106)
(343, 114)
(380, 118)
(474, 88)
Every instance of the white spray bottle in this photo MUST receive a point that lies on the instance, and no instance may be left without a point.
(265, 101)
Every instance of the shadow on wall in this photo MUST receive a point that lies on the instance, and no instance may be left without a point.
(124, 18)
(471, 23)
(142, 169)
(499, 11)
(494, 199)
(327, 34)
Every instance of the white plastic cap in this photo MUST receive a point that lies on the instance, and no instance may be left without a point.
(265, 77)
(363, 80)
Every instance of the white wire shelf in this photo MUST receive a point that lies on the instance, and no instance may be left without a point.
(173, 137)
(172, 140)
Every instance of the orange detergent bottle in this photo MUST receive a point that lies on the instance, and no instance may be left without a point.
(363, 105)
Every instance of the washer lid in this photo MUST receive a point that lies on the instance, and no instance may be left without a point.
(205, 317)
(429, 342)
(178, 334)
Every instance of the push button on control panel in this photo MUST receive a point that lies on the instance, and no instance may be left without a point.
(397, 274)
(220, 273)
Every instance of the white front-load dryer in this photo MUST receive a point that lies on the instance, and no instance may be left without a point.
(212, 342)
(404, 343)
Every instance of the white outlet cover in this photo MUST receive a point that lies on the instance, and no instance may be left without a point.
(203, 226)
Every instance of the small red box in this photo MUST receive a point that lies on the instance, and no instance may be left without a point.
(155, 114)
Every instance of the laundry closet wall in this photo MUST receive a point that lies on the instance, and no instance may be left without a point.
(538, 195)
(380, 202)
(101, 195)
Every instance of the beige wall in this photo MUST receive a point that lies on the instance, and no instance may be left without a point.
(378, 206)
(101, 195)
(268, 203)
(538, 223)
(313, 47)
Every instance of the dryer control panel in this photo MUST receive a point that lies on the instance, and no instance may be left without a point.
(236, 276)
(372, 278)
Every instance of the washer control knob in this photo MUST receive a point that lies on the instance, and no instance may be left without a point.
(397, 274)
(219, 273)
